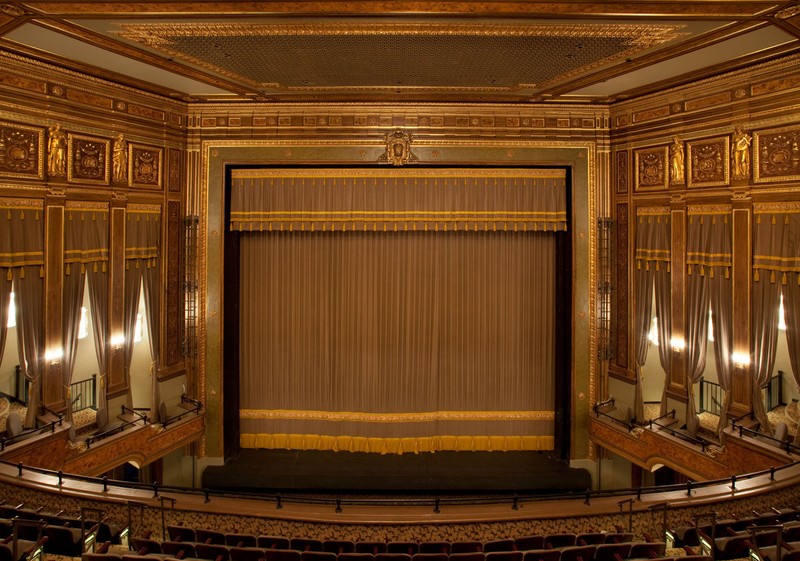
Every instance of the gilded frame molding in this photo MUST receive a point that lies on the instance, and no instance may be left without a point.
(653, 162)
(39, 132)
(758, 139)
(72, 161)
(214, 156)
(692, 148)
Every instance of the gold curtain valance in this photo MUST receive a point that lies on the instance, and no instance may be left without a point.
(21, 233)
(142, 234)
(653, 238)
(776, 243)
(85, 237)
(708, 247)
(393, 200)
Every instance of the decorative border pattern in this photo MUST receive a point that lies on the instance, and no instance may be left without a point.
(708, 162)
(87, 159)
(651, 169)
(21, 143)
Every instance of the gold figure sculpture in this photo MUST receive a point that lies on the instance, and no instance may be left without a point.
(57, 152)
(676, 162)
(741, 154)
(120, 158)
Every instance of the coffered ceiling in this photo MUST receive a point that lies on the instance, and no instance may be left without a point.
(376, 51)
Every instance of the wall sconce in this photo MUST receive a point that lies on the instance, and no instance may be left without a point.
(53, 356)
(678, 344)
(117, 341)
(740, 360)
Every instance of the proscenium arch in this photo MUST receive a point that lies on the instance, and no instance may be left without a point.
(217, 156)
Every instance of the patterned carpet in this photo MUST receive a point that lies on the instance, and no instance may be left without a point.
(82, 419)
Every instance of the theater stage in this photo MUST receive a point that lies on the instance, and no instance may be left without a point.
(355, 472)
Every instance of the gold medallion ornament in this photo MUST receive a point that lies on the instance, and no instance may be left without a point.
(398, 149)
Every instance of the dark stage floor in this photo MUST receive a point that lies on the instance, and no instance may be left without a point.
(355, 472)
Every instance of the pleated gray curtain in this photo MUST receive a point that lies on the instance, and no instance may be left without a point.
(791, 308)
(652, 254)
(22, 255)
(5, 298)
(697, 302)
(142, 236)
(398, 310)
(98, 302)
(771, 229)
(151, 283)
(85, 249)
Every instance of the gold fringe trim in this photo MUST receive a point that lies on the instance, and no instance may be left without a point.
(409, 445)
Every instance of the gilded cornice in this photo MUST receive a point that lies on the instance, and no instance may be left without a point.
(21, 203)
(768, 208)
(708, 209)
(86, 205)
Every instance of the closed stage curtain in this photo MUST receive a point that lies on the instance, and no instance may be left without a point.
(652, 254)
(22, 257)
(407, 337)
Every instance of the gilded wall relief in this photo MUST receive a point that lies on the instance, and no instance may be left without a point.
(174, 181)
(21, 153)
(87, 159)
(144, 166)
(174, 325)
(651, 169)
(777, 155)
(709, 162)
(621, 295)
(622, 171)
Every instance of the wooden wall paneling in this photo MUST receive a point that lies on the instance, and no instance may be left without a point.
(741, 401)
(677, 379)
(53, 395)
(117, 379)
(621, 295)
(172, 311)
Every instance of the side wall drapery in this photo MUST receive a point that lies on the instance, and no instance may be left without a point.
(397, 339)
(708, 259)
(22, 256)
(652, 254)
(142, 235)
(776, 264)
(771, 270)
(85, 249)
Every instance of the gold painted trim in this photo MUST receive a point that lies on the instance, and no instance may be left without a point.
(381, 172)
(422, 417)
(21, 203)
(757, 177)
(94, 206)
(771, 208)
(701, 210)
(136, 208)
(693, 145)
(652, 211)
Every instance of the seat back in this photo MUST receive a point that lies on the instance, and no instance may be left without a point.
(465, 547)
(499, 545)
(181, 534)
(241, 540)
(528, 543)
(213, 552)
(578, 553)
(249, 554)
(338, 546)
(434, 547)
(281, 555)
(305, 544)
(612, 551)
(273, 542)
(648, 550)
(203, 535)
(371, 547)
(542, 555)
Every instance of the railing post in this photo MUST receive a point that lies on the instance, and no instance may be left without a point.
(436, 505)
(208, 499)
(278, 502)
(515, 506)
(338, 505)
(155, 489)
(105, 484)
(689, 488)
(19, 468)
(587, 499)
(60, 478)
(772, 473)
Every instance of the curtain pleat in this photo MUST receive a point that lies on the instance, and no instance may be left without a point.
(652, 255)
(5, 298)
(98, 302)
(406, 338)
(151, 283)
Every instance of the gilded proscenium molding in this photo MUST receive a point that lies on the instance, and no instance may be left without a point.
(777, 154)
(21, 151)
(88, 159)
(214, 47)
(580, 154)
(422, 417)
(709, 162)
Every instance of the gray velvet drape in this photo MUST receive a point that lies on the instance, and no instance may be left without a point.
(22, 258)
(142, 235)
(652, 254)
(708, 259)
(776, 264)
(411, 330)
(85, 252)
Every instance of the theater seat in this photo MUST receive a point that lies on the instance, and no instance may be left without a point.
(203, 535)
(529, 543)
(371, 547)
(542, 555)
(250, 554)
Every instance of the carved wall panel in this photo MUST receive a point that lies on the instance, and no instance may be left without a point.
(709, 162)
(88, 159)
(174, 315)
(174, 181)
(145, 166)
(777, 155)
(621, 295)
(21, 153)
(651, 169)
(622, 171)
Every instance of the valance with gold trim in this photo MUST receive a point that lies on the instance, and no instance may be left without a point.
(21, 235)
(776, 242)
(653, 238)
(85, 236)
(142, 235)
(391, 200)
(708, 246)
